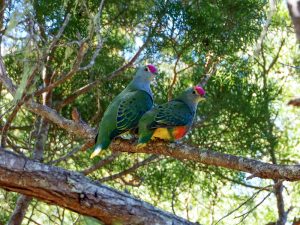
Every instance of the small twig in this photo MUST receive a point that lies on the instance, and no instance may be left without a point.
(71, 153)
(274, 60)
(101, 163)
(266, 27)
(75, 94)
(267, 188)
(78, 60)
(7, 110)
(170, 92)
(60, 32)
(100, 41)
(294, 67)
(244, 215)
(210, 70)
(240, 206)
(7, 124)
(131, 61)
(130, 170)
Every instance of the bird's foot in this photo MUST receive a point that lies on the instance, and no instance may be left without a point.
(126, 136)
(140, 145)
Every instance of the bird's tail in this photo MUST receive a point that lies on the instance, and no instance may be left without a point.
(97, 150)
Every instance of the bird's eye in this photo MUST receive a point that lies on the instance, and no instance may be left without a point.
(146, 69)
(194, 92)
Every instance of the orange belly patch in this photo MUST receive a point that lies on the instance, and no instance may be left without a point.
(179, 132)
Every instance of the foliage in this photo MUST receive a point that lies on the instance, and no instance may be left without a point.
(245, 112)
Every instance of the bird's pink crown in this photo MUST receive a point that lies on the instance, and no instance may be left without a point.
(152, 68)
(200, 90)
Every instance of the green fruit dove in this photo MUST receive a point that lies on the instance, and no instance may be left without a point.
(124, 112)
(172, 120)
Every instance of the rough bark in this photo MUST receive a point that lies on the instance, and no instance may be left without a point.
(282, 214)
(20, 210)
(294, 10)
(186, 152)
(78, 193)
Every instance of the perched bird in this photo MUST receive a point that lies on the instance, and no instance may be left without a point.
(171, 120)
(126, 109)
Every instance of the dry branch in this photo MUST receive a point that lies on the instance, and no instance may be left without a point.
(294, 102)
(209, 157)
(78, 193)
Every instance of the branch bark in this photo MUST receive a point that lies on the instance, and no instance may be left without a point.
(209, 157)
(19, 212)
(294, 10)
(78, 193)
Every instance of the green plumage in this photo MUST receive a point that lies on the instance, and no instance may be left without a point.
(122, 115)
(126, 109)
(169, 115)
(176, 116)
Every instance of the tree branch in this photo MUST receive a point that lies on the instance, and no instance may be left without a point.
(101, 163)
(293, 7)
(130, 170)
(78, 193)
(81, 52)
(75, 94)
(131, 61)
(181, 152)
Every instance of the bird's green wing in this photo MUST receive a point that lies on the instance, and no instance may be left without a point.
(132, 106)
(172, 114)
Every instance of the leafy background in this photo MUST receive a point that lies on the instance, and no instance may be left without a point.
(245, 114)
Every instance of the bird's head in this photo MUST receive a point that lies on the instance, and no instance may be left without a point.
(147, 73)
(199, 92)
(193, 95)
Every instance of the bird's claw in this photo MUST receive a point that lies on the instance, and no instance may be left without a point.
(140, 145)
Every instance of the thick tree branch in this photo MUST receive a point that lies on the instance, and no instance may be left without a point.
(77, 193)
(181, 152)
(186, 152)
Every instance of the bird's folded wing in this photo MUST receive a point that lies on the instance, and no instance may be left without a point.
(172, 114)
(133, 105)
